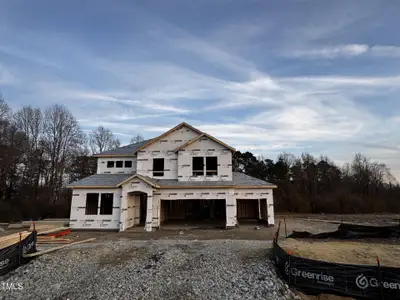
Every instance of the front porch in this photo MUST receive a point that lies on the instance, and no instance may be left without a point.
(147, 205)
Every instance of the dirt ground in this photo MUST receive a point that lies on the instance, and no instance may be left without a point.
(314, 223)
(363, 253)
(346, 252)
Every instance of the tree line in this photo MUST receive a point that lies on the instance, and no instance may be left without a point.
(43, 150)
(309, 184)
(40, 152)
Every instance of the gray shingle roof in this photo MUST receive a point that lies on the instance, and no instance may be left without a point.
(125, 150)
(239, 179)
(99, 180)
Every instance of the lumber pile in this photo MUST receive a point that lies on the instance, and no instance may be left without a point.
(52, 240)
(43, 231)
(48, 222)
(56, 248)
(8, 240)
(54, 236)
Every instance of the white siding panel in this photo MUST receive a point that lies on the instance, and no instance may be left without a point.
(202, 148)
(164, 148)
(78, 219)
(231, 211)
(145, 163)
(182, 194)
(102, 166)
(173, 140)
(204, 143)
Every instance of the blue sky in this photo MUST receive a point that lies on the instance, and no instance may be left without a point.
(265, 76)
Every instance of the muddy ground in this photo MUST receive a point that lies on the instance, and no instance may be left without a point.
(314, 223)
(346, 252)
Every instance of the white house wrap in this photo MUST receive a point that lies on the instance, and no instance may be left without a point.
(182, 175)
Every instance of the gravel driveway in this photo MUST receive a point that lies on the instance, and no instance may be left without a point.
(163, 269)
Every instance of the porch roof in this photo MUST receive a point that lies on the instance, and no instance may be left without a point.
(100, 181)
(240, 180)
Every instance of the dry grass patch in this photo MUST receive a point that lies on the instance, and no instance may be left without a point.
(347, 252)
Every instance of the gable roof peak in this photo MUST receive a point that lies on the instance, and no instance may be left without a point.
(177, 127)
(204, 135)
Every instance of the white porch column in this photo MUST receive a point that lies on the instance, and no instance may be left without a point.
(231, 212)
(156, 209)
(124, 208)
(149, 212)
(259, 209)
(136, 202)
(270, 208)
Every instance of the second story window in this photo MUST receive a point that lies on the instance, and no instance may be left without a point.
(198, 166)
(210, 168)
(128, 164)
(158, 167)
(211, 165)
(119, 164)
(110, 164)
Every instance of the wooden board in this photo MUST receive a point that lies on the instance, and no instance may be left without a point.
(12, 239)
(56, 248)
(42, 232)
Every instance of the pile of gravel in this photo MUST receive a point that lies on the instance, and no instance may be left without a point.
(162, 269)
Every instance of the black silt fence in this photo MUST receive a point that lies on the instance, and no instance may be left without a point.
(12, 256)
(315, 277)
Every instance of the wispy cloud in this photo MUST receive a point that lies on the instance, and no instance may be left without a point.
(385, 51)
(344, 51)
(6, 77)
(330, 52)
(224, 75)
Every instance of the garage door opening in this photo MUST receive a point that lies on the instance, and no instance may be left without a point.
(247, 210)
(197, 213)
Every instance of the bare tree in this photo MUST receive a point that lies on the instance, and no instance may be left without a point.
(102, 139)
(62, 135)
(137, 139)
(30, 121)
(4, 108)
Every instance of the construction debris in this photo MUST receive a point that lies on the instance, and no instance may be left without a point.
(52, 240)
(11, 239)
(60, 233)
(48, 222)
(50, 230)
(57, 248)
(16, 226)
